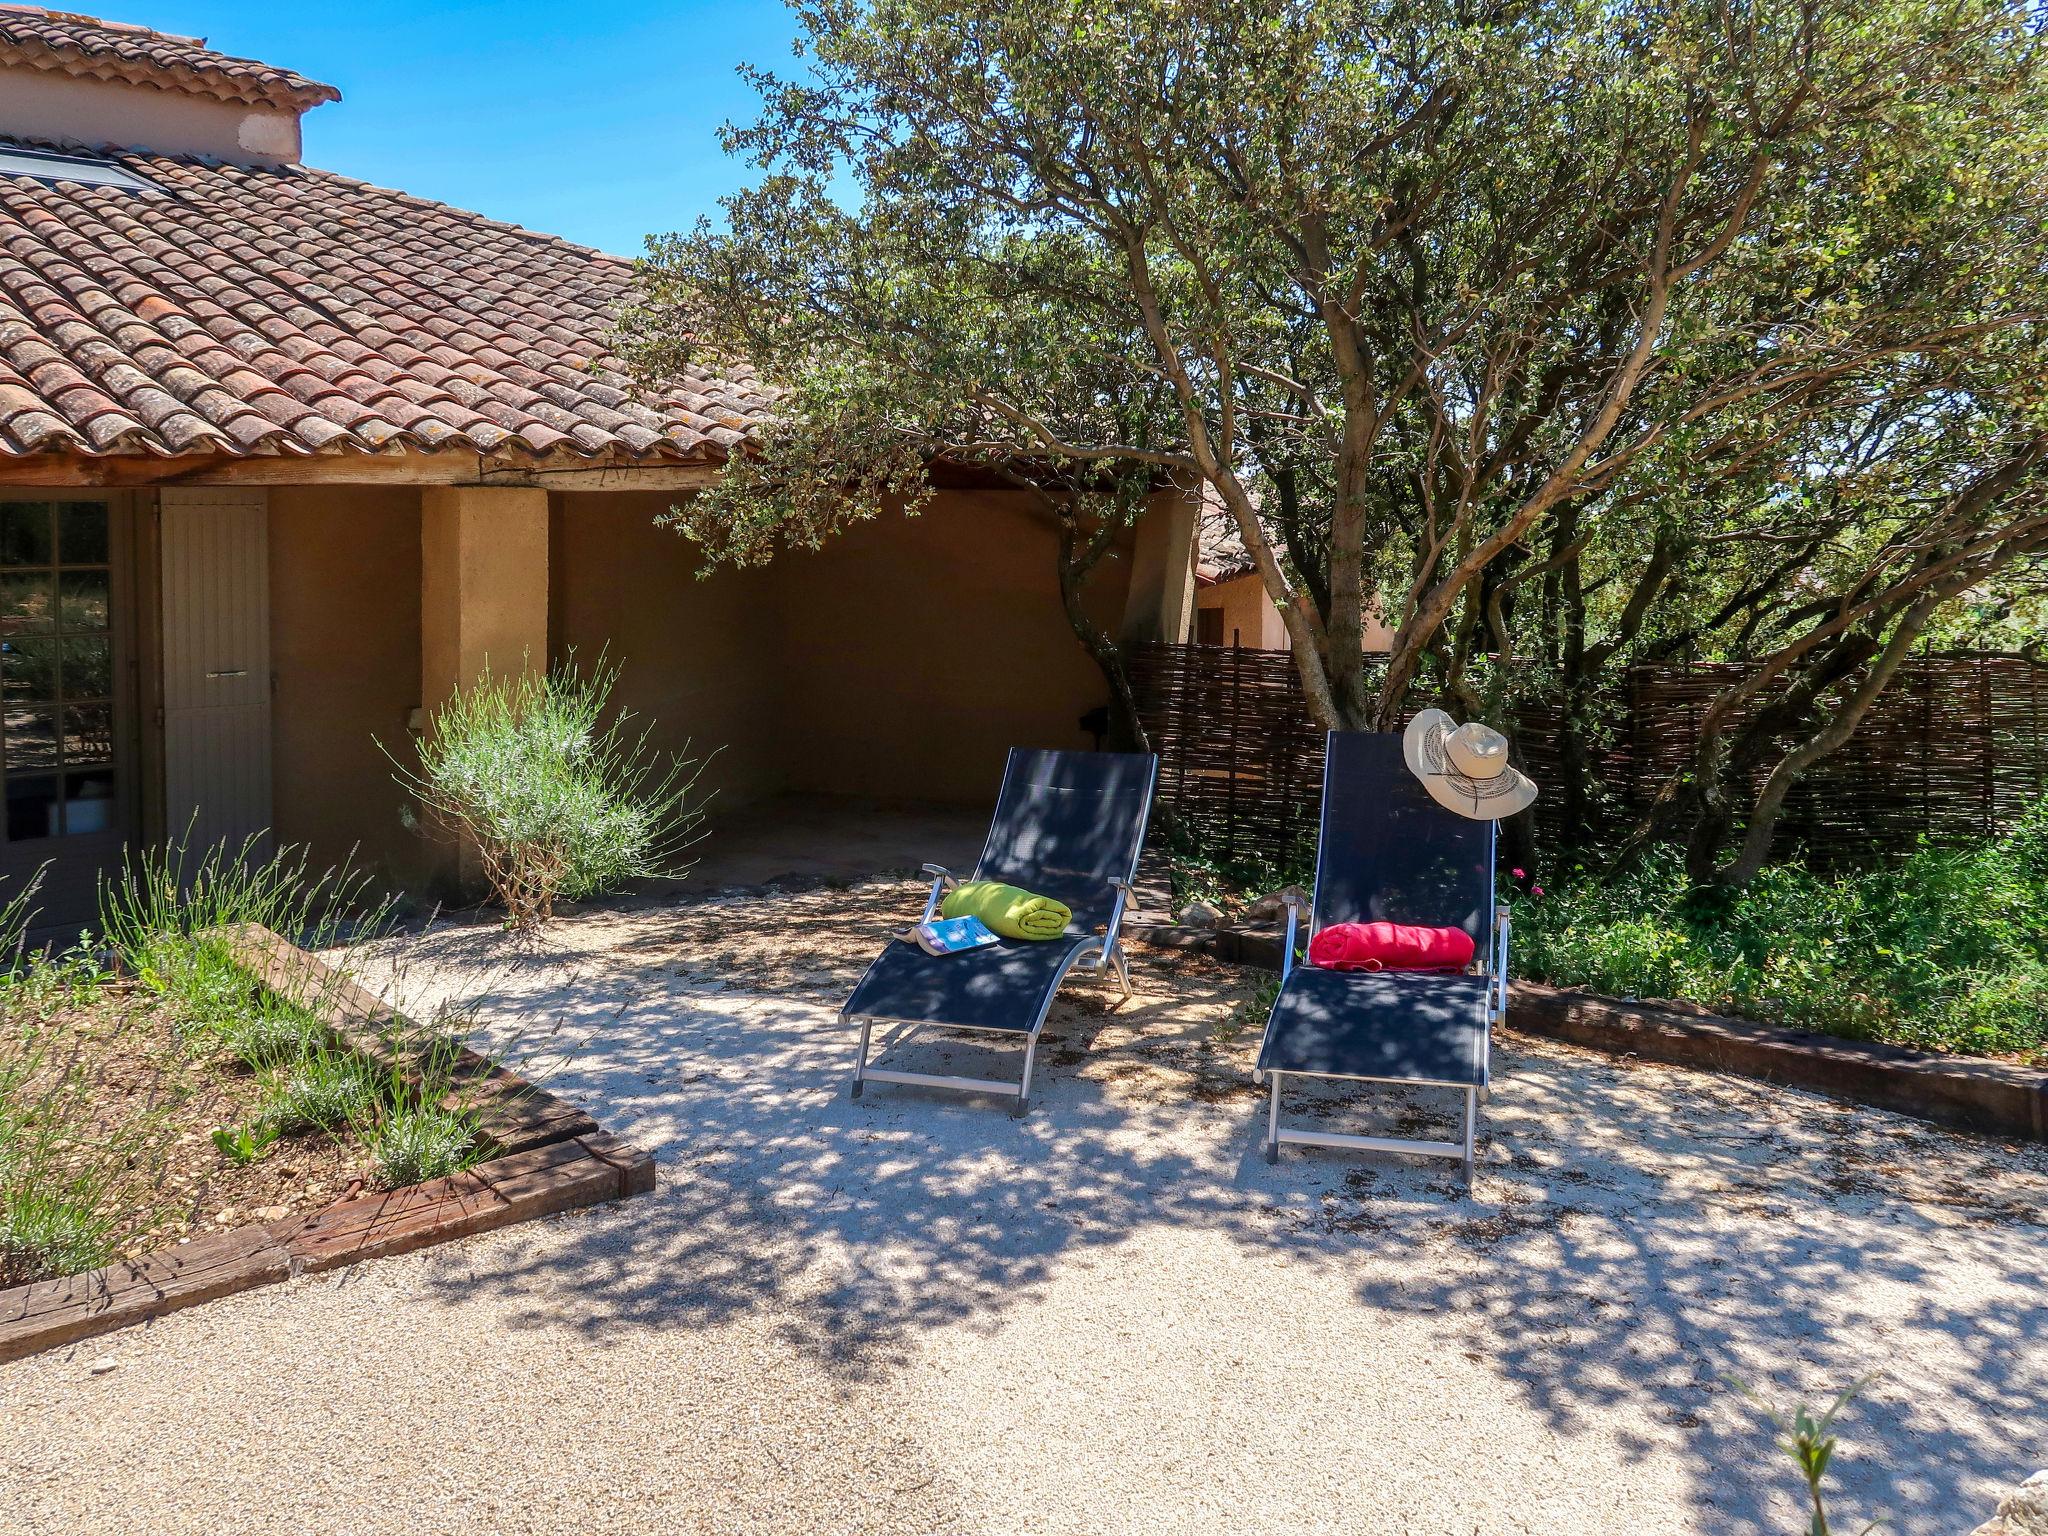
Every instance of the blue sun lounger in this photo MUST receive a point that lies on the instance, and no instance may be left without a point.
(1069, 825)
(1390, 853)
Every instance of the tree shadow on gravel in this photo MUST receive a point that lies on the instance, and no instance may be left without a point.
(1636, 1233)
(1654, 1234)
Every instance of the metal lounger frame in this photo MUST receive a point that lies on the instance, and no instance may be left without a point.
(1461, 1150)
(1105, 952)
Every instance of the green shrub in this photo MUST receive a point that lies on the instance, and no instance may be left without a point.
(1198, 871)
(322, 1091)
(419, 1141)
(50, 1228)
(543, 781)
(1946, 950)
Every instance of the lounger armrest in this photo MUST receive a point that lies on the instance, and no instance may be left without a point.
(943, 880)
(1126, 893)
(1292, 901)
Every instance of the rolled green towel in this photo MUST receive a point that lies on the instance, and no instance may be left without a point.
(1013, 913)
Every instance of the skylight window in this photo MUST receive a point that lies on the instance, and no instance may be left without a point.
(85, 171)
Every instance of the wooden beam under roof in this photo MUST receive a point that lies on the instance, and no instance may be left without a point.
(132, 471)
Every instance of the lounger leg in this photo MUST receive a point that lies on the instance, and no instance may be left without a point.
(1118, 959)
(1273, 1121)
(1471, 1130)
(860, 1067)
(1024, 1090)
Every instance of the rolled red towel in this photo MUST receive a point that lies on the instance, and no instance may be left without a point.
(1390, 947)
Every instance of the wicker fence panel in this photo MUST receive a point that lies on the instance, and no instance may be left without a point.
(1957, 747)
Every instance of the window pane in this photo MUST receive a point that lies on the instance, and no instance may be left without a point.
(88, 802)
(31, 739)
(25, 533)
(83, 528)
(88, 665)
(28, 670)
(31, 809)
(26, 603)
(83, 596)
(88, 734)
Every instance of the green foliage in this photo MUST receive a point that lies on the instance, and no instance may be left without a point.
(1947, 950)
(417, 1125)
(542, 779)
(1199, 871)
(421, 1141)
(53, 1219)
(1252, 1013)
(67, 1195)
(1810, 1443)
(47, 981)
(328, 1090)
(243, 1144)
(1723, 323)
(51, 1228)
(171, 921)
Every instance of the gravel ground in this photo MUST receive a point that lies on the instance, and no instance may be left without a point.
(914, 1314)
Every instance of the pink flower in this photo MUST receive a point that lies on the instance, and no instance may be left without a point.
(1519, 874)
(1535, 890)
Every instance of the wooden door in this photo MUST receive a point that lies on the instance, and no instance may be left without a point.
(214, 558)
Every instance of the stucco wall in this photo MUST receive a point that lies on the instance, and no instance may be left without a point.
(697, 658)
(917, 651)
(111, 114)
(1250, 616)
(345, 654)
(899, 662)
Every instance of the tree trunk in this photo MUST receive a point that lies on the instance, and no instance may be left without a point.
(1831, 737)
(1077, 561)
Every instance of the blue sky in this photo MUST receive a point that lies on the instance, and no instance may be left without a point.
(598, 122)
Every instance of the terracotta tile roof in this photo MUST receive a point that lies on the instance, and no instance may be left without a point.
(1220, 554)
(70, 44)
(248, 310)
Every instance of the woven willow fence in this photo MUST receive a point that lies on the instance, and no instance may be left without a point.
(1956, 747)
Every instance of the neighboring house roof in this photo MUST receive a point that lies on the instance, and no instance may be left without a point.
(86, 47)
(247, 310)
(1221, 555)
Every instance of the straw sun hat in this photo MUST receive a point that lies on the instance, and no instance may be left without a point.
(1465, 767)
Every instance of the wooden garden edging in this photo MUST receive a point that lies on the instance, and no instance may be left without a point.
(546, 1156)
(1991, 1098)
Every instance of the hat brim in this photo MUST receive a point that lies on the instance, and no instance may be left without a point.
(1415, 743)
(1508, 793)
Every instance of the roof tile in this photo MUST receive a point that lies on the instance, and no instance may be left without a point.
(289, 310)
(88, 48)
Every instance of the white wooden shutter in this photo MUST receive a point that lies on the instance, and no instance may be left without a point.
(216, 649)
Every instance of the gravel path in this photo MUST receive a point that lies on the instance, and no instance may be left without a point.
(914, 1314)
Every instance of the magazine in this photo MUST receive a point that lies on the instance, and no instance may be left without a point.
(950, 936)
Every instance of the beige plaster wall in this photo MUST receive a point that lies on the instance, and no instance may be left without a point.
(901, 661)
(917, 651)
(1163, 557)
(111, 114)
(345, 659)
(697, 658)
(484, 585)
(1249, 616)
